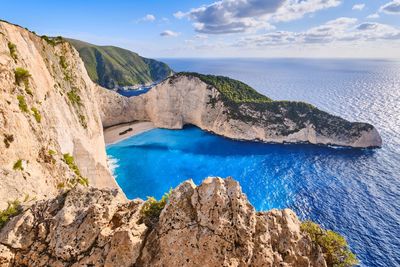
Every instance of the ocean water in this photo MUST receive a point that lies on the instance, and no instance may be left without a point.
(355, 192)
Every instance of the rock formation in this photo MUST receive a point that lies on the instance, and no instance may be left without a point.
(47, 113)
(49, 109)
(187, 99)
(209, 225)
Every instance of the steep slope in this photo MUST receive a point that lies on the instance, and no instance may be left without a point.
(46, 113)
(111, 66)
(209, 225)
(235, 110)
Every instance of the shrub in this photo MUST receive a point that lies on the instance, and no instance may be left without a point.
(36, 114)
(74, 97)
(63, 62)
(231, 89)
(69, 160)
(52, 152)
(18, 165)
(151, 209)
(13, 50)
(22, 103)
(21, 75)
(52, 40)
(334, 246)
(82, 121)
(8, 139)
(13, 209)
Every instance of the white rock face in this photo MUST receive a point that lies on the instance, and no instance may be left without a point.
(209, 225)
(65, 127)
(184, 100)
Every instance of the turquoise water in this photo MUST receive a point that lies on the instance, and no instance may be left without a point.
(355, 192)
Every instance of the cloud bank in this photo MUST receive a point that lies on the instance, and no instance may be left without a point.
(238, 16)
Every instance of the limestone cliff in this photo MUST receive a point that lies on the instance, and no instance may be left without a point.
(209, 225)
(46, 111)
(190, 99)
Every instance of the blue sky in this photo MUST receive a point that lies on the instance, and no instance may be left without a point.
(226, 28)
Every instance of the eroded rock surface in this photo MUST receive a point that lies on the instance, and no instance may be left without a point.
(185, 99)
(209, 225)
(67, 119)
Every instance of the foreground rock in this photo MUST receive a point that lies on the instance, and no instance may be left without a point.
(209, 225)
(244, 114)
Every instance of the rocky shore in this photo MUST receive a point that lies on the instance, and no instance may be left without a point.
(187, 99)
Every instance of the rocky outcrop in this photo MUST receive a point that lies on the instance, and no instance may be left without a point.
(209, 225)
(187, 99)
(44, 114)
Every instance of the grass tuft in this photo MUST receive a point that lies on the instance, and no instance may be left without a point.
(70, 161)
(22, 104)
(21, 75)
(18, 165)
(13, 50)
(36, 115)
(13, 209)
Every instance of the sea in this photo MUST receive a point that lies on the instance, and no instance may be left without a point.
(355, 192)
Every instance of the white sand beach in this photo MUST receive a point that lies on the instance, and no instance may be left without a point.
(113, 134)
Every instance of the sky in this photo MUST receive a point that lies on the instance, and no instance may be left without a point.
(225, 28)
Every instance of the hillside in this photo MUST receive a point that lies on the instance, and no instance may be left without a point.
(111, 66)
(233, 109)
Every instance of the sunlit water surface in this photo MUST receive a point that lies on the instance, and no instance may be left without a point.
(355, 192)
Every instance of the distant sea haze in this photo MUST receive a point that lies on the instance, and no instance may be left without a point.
(352, 191)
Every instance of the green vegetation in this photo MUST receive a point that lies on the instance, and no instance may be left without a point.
(13, 50)
(82, 121)
(334, 246)
(111, 66)
(73, 97)
(52, 152)
(152, 208)
(246, 104)
(231, 89)
(13, 209)
(63, 62)
(18, 165)
(36, 114)
(8, 139)
(52, 40)
(21, 75)
(22, 103)
(69, 160)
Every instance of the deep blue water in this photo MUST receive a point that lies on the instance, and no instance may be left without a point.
(352, 191)
(129, 93)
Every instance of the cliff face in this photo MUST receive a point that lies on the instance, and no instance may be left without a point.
(45, 113)
(209, 225)
(186, 99)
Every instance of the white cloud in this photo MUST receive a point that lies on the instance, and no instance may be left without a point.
(148, 18)
(373, 16)
(201, 36)
(358, 7)
(237, 16)
(342, 30)
(169, 33)
(179, 15)
(392, 7)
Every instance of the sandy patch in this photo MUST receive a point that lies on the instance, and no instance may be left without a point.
(117, 133)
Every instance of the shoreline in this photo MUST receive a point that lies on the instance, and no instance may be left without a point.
(112, 134)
